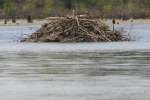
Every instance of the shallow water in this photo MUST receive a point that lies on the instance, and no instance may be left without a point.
(74, 71)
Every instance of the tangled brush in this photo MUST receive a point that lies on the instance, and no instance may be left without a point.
(75, 29)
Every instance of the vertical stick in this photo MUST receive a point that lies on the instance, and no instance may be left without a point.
(73, 13)
(113, 27)
(5, 21)
(114, 22)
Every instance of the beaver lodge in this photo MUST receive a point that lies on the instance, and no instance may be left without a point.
(75, 29)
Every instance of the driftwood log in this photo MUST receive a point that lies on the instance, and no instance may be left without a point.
(75, 29)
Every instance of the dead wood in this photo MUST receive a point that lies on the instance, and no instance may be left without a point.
(75, 29)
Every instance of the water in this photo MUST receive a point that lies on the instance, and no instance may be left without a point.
(74, 71)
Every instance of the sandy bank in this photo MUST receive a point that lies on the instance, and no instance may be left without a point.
(133, 21)
(22, 22)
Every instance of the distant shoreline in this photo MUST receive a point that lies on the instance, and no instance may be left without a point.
(130, 21)
(23, 22)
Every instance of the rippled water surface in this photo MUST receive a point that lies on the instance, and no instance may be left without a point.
(69, 71)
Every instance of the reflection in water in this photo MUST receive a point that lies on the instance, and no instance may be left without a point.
(51, 75)
(87, 64)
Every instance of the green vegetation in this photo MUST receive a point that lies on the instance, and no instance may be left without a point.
(106, 8)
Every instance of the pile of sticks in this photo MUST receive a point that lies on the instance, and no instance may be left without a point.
(75, 29)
